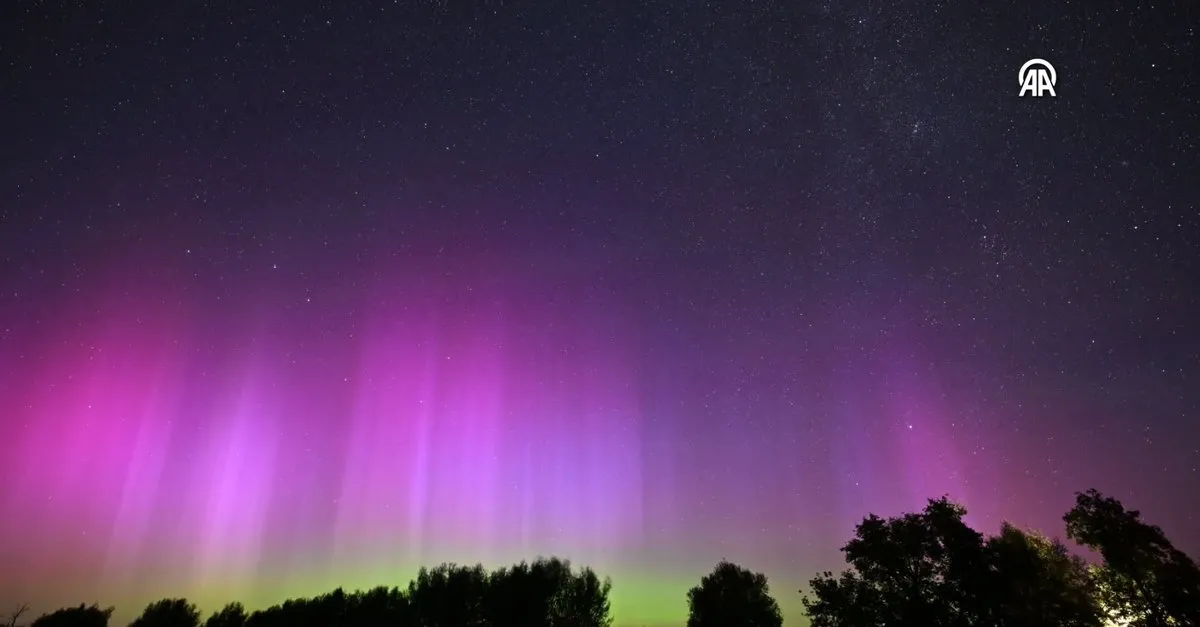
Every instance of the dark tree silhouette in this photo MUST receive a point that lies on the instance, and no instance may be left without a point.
(374, 608)
(520, 595)
(378, 607)
(168, 613)
(82, 616)
(276, 616)
(1036, 582)
(547, 593)
(232, 615)
(583, 602)
(15, 615)
(922, 569)
(1144, 580)
(328, 609)
(732, 595)
(449, 595)
(930, 569)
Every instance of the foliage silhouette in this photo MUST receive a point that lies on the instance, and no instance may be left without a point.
(232, 615)
(1038, 582)
(904, 572)
(377, 607)
(1144, 580)
(449, 595)
(373, 608)
(584, 602)
(168, 613)
(930, 569)
(82, 616)
(732, 595)
(547, 593)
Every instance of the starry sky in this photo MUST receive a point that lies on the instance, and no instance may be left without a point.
(308, 294)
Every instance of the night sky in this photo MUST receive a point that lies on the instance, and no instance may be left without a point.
(309, 294)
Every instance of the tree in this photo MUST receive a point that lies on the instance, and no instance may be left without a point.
(15, 615)
(82, 616)
(520, 596)
(327, 609)
(925, 569)
(733, 596)
(449, 595)
(168, 613)
(1144, 580)
(378, 607)
(547, 593)
(232, 615)
(1036, 582)
(930, 569)
(846, 600)
(583, 601)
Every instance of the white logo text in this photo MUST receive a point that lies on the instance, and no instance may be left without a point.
(1037, 81)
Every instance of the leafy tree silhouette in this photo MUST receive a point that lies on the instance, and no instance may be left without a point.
(1037, 582)
(732, 595)
(378, 607)
(930, 569)
(513, 597)
(547, 593)
(168, 613)
(82, 616)
(1144, 580)
(232, 615)
(916, 569)
(449, 595)
(583, 602)
(328, 609)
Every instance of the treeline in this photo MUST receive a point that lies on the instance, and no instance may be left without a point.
(922, 569)
(546, 592)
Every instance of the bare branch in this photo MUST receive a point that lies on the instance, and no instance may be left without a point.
(16, 614)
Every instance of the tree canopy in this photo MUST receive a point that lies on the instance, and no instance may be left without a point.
(168, 613)
(732, 595)
(927, 568)
(931, 569)
(82, 616)
(1035, 580)
(232, 615)
(1144, 580)
(545, 593)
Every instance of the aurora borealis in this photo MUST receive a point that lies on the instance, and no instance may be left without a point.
(306, 298)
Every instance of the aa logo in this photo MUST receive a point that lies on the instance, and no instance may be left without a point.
(1037, 78)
